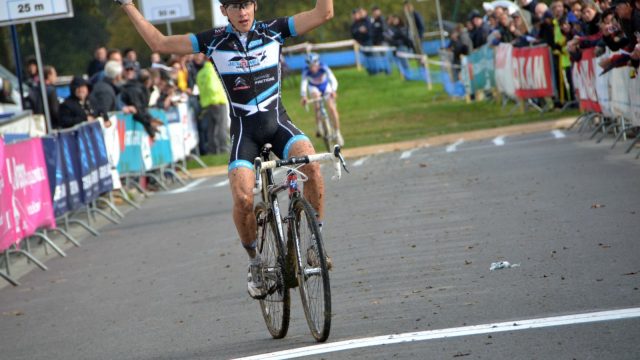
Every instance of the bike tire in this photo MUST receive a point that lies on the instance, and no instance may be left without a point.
(276, 306)
(311, 270)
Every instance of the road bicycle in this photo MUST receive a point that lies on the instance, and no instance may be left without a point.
(301, 260)
(330, 136)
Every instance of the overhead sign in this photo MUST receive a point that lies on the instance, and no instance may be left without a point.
(164, 11)
(22, 11)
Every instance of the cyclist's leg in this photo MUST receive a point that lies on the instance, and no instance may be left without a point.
(333, 112)
(314, 187)
(241, 181)
(315, 94)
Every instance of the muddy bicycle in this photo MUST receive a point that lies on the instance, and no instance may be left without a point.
(299, 258)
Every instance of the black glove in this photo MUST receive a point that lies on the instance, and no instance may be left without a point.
(124, 2)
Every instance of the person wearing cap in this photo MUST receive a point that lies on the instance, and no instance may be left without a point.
(246, 55)
(76, 108)
(480, 31)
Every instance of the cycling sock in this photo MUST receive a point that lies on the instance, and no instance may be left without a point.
(251, 248)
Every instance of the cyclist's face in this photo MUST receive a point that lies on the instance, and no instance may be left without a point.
(240, 15)
(314, 67)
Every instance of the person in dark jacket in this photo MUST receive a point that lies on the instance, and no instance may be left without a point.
(96, 65)
(377, 26)
(481, 29)
(360, 28)
(76, 108)
(35, 96)
(135, 93)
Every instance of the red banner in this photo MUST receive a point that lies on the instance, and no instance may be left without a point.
(532, 72)
(584, 81)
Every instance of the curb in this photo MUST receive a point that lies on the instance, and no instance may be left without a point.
(438, 140)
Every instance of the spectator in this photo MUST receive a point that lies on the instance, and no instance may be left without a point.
(131, 56)
(156, 59)
(561, 60)
(458, 49)
(104, 95)
(213, 101)
(360, 28)
(377, 26)
(414, 17)
(480, 30)
(35, 97)
(96, 65)
(623, 35)
(112, 55)
(396, 34)
(168, 91)
(135, 94)
(76, 108)
(32, 75)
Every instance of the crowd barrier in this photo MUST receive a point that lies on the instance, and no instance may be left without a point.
(48, 182)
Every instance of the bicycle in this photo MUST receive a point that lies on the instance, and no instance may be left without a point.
(329, 136)
(301, 261)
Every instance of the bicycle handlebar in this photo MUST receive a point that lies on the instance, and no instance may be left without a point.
(338, 163)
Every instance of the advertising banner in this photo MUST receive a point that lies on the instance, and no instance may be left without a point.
(70, 161)
(533, 72)
(57, 179)
(105, 182)
(87, 166)
(161, 147)
(603, 89)
(7, 223)
(483, 73)
(620, 102)
(112, 144)
(584, 77)
(504, 70)
(135, 151)
(634, 100)
(31, 199)
(190, 128)
(176, 134)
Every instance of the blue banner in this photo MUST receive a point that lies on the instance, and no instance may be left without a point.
(88, 169)
(57, 180)
(105, 181)
(161, 154)
(71, 171)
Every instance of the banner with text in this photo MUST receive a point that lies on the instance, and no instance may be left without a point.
(135, 150)
(584, 81)
(7, 222)
(31, 199)
(482, 69)
(504, 70)
(533, 72)
(161, 147)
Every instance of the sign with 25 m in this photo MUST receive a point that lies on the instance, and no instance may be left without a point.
(21, 11)
(163, 11)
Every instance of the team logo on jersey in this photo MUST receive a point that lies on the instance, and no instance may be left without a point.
(254, 44)
(245, 62)
(240, 84)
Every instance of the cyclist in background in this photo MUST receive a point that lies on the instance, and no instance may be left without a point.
(318, 81)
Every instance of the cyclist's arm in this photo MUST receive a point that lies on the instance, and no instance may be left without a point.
(332, 80)
(303, 86)
(158, 42)
(309, 20)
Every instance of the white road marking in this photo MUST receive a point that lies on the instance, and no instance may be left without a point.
(222, 183)
(407, 154)
(515, 325)
(558, 134)
(452, 147)
(361, 161)
(499, 141)
(186, 188)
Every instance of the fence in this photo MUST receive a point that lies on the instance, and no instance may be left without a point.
(49, 182)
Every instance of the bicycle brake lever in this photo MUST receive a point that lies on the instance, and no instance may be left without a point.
(338, 154)
(257, 164)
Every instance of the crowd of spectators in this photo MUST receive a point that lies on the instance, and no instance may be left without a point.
(115, 81)
(566, 26)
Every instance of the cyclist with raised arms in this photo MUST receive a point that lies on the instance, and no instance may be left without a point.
(318, 81)
(246, 56)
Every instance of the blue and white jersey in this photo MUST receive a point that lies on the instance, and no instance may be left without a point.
(248, 64)
(321, 80)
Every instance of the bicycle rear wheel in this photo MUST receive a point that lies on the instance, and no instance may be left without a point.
(277, 304)
(312, 272)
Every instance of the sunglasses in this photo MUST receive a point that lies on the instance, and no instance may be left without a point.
(240, 6)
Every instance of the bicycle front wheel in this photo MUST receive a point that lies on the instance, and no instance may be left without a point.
(312, 272)
(277, 304)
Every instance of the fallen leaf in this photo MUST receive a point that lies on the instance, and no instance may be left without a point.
(13, 313)
(423, 165)
(631, 273)
(467, 262)
(597, 206)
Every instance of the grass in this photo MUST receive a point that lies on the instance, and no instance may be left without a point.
(383, 109)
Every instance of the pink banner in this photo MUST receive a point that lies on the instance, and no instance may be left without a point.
(584, 81)
(27, 176)
(532, 72)
(7, 228)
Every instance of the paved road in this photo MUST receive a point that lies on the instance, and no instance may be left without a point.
(412, 235)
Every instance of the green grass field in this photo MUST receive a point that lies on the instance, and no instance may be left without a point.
(383, 109)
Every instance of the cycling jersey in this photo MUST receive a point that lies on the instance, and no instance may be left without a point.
(322, 81)
(249, 67)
